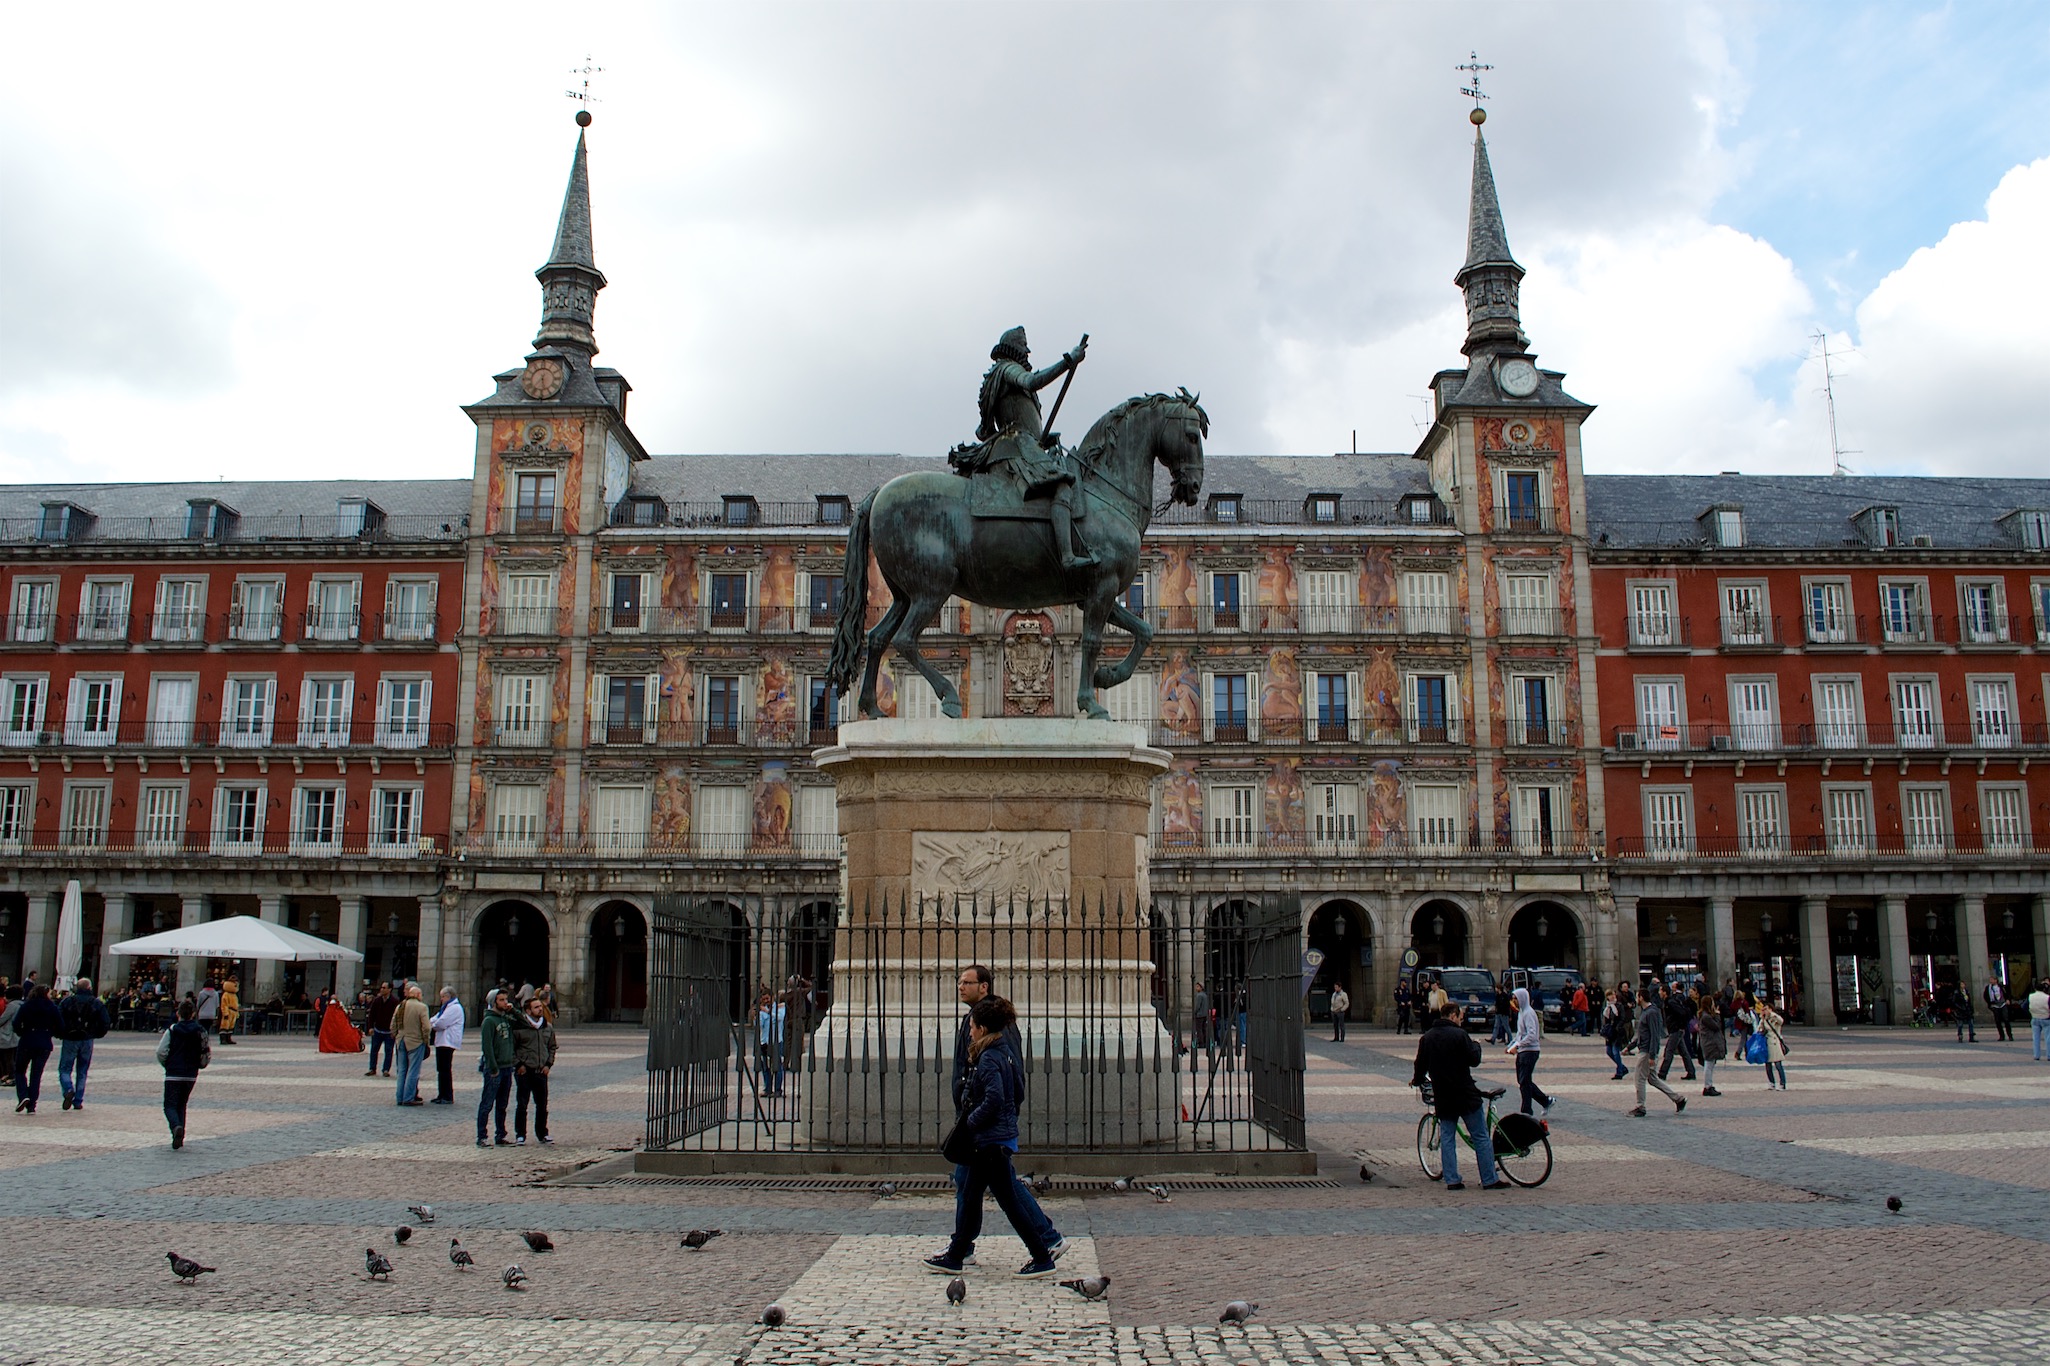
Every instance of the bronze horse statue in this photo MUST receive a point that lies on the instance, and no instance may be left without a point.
(930, 547)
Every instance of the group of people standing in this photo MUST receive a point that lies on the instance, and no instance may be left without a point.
(1664, 1023)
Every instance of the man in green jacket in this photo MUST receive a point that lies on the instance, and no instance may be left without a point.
(495, 1064)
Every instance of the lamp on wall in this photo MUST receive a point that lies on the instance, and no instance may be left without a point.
(1672, 924)
(2007, 919)
(313, 921)
(1438, 926)
(1765, 922)
(6, 916)
(1929, 922)
(512, 926)
(1851, 922)
(1544, 927)
(619, 925)
(391, 923)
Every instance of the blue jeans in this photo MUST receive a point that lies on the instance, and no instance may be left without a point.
(29, 1062)
(380, 1038)
(1483, 1145)
(497, 1091)
(74, 1060)
(1028, 1206)
(1526, 1080)
(1615, 1052)
(1779, 1067)
(2039, 1035)
(991, 1171)
(409, 1060)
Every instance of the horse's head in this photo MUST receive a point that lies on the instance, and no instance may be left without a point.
(1180, 446)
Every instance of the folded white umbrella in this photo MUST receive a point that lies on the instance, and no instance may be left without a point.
(70, 935)
(238, 936)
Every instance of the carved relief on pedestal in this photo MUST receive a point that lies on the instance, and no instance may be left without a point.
(1028, 664)
(989, 865)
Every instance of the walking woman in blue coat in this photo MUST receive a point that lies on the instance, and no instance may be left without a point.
(996, 1083)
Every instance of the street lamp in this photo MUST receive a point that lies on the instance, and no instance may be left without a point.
(512, 927)
(391, 923)
(619, 925)
(1544, 927)
(1438, 926)
(1672, 924)
(1850, 922)
(1764, 923)
(2007, 919)
(1929, 922)
(313, 921)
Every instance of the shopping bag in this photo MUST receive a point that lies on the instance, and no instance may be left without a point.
(1754, 1047)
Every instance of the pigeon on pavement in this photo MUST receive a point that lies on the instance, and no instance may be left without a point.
(402, 1235)
(1041, 1183)
(773, 1316)
(514, 1278)
(886, 1190)
(957, 1290)
(463, 1260)
(1159, 1193)
(1238, 1311)
(187, 1270)
(1366, 1172)
(537, 1241)
(1893, 1204)
(1089, 1287)
(377, 1264)
(696, 1239)
(1124, 1184)
(424, 1213)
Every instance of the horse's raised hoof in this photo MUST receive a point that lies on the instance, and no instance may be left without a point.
(952, 709)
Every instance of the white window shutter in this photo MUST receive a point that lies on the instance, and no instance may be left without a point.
(1312, 712)
(383, 707)
(1353, 724)
(651, 698)
(1209, 707)
(1252, 706)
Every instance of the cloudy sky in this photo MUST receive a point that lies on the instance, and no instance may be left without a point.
(292, 240)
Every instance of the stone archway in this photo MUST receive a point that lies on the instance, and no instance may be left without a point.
(1441, 934)
(1343, 933)
(811, 950)
(619, 963)
(1544, 934)
(510, 941)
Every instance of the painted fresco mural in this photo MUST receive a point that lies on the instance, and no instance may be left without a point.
(1274, 588)
(772, 807)
(1282, 801)
(1381, 689)
(1381, 812)
(777, 591)
(1281, 694)
(1181, 697)
(776, 711)
(678, 592)
(1181, 805)
(677, 712)
(1177, 586)
(669, 814)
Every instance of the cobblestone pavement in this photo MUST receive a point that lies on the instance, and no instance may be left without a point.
(1753, 1226)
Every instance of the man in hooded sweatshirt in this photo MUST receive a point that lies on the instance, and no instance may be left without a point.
(1524, 1048)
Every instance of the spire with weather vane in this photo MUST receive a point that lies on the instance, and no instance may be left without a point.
(1490, 279)
(570, 281)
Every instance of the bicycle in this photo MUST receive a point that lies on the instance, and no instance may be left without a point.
(1523, 1148)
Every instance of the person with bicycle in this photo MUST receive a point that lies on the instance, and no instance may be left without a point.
(1445, 1057)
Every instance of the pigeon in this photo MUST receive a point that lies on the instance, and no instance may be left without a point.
(1124, 1184)
(773, 1316)
(402, 1235)
(377, 1264)
(537, 1241)
(886, 1190)
(1041, 1183)
(696, 1239)
(1159, 1193)
(187, 1270)
(1893, 1204)
(513, 1277)
(957, 1290)
(1090, 1287)
(463, 1260)
(424, 1213)
(1238, 1311)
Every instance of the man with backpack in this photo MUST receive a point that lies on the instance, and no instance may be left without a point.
(1996, 1001)
(84, 1019)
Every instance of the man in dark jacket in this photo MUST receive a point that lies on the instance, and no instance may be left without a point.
(1445, 1056)
(85, 1019)
(382, 1007)
(971, 987)
(533, 1058)
(37, 1024)
(1651, 1026)
(1679, 1013)
(495, 1064)
(183, 1051)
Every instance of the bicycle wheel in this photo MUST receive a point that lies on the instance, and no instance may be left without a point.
(1427, 1155)
(1527, 1163)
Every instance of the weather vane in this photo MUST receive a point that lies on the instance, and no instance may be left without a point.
(582, 95)
(1474, 66)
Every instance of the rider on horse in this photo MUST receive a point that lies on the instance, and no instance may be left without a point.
(1010, 433)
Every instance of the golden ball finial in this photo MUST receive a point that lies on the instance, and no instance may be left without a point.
(1478, 117)
(583, 118)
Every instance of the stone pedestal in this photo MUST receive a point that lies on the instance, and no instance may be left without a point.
(1020, 843)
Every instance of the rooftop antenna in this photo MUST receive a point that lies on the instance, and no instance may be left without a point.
(1473, 66)
(582, 94)
(1836, 452)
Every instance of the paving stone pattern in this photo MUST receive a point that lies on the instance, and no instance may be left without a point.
(1751, 1228)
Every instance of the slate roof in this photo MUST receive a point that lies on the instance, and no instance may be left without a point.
(1487, 239)
(1806, 511)
(272, 508)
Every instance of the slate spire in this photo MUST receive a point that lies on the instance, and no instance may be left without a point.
(570, 281)
(1490, 278)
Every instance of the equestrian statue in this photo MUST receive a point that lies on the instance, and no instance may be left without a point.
(1007, 528)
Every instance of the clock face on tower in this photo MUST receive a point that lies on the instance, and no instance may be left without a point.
(543, 377)
(1518, 378)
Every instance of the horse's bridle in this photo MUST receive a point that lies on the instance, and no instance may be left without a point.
(1105, 482)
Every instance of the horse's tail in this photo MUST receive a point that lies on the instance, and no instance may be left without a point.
(850, 629)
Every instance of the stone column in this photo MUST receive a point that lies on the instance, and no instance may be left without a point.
(2039, 921)
(1624, 968)
(1817, 967)
(1388, 947)
(349, 934)
(429, 968)
(39, 937)
(1720, 929)
(115, 919)
(1970, 909)
(1893, 947)
(193, 912)
(270, 908)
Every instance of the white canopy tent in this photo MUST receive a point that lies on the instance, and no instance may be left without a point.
(238, 936)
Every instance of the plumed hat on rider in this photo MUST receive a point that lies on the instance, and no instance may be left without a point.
(1011, 346)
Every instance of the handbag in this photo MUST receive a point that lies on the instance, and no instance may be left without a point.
(1754, 1047)
(959, 1145)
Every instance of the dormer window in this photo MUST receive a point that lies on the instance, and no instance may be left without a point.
(638, 511)
(1225, 508)
(357, 517)
(742, 509)
(2030, 528)
(207, 520)
(1879, 526)
(62, 522)
(833, 509)
(1724, 525)
(1322, 507)
(1420, 509)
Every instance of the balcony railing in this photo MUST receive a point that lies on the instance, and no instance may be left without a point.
(550, 622)
(342, 627)
(283, 843)
(1531, 621)
(174, 527)
(1751, 631)
(401, 627)
(1353, 730)
(1526, 520)
(208, 735)
(1845, 738)
(1660, 631)
(190, 627)
(30, 628)
(532, 521)
(99, 628)
(1386, 844)
(616, 844)
(253, 628)
(1379, 619)
(1987, 628)
(753, 732)
(1816, 846)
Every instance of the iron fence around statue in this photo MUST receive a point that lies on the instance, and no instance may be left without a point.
(788, 1025)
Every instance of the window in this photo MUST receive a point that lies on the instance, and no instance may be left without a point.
(1520, 500)
(741, 510)
(1227, 592)
(1846, 820)
(1914, 713)
(1334, 816)
(246, 712)
(1651, 615)
(722, 820)
(516, 818)
(625, 716)
(833, 509)
(1137, 593)
(94, 704)
(1925, 819)
(258, 611)
(1224, 508)
(1435, 816)
(1762, 820)
(62, 522)
(395, 821)
(1426, 602)
(1902, 612)
(1668, 824)
(522, 709)
(817, 821)
(619, 819)
(1985, 613)
(1327, 600)
(85, 815)
(2003, 817)
(729, 600)
(324, 713)
(1658, 713)
(409, 609)
(1992, 713)
(1727, 526)
(627, 592)
(1234, 817)
(181, 611)
(34, 615)
(2032, 529)
(822, 723)
(1433, 716)
(402, 712)
(207, 520)
(1836, 713)
(103, 610)
(534, 503)
(238, 819)
(24, 696)
(1879, 526)
(16, 801)
(1323, 507)
(1420, 511)
(916, 700)
(1132, 702)
(1829, 613)
(640, 512)
(335, 606)
(526, 605)
(1527, 605)
(1753, 724)
(1530, 711)
(173, 703)
(1228, 716)
(317, 820)
(1534, 808)
(824, 606)
(722, 709)
(163, 817)
(1744, 618)
(2039, 594)
(1331, 709)
(357, 517)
